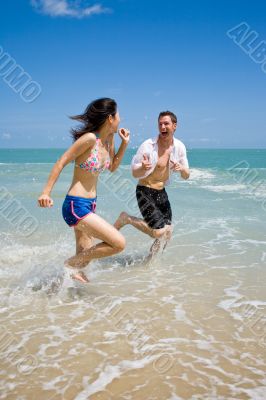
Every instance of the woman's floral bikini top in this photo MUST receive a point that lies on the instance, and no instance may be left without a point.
(92, 164)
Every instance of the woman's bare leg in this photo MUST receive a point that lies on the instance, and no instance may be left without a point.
(112, 241)
(83, 242)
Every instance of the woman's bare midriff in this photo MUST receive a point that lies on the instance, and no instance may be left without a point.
(84, 183)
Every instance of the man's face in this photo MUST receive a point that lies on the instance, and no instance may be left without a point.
(166, 127)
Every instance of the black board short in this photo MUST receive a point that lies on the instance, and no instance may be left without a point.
(154, 206)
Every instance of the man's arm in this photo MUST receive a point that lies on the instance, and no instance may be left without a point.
(138, 170)
(141, 161)
(182, 165)
(183, 162)
(185, 173)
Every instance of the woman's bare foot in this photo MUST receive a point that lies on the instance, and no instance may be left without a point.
(76, 274)
(121, 220)
(80, 260)
(80, 276)
(73, 264)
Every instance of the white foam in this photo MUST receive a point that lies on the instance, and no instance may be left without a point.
(180, 314)
(175, 397)
(197, 174)
(224, 188)
(27, 163)
(234, 297)
(257, 192)
(263, 256)
(109, 373)
(258, 393)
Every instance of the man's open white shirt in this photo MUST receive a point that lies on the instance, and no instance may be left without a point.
(178, 154)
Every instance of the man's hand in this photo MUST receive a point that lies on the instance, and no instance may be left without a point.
(124, 134)
(176, 167)
(146, 164)
(45, 201)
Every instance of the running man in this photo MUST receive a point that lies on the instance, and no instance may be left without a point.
(152, 165)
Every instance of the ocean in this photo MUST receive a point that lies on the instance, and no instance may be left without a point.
(191, 325)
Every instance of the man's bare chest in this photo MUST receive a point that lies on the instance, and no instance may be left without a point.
(163, 160)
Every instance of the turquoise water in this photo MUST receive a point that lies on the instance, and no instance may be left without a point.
(202, 302)
(199, 158)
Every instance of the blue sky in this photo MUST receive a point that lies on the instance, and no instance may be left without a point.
(149, 55)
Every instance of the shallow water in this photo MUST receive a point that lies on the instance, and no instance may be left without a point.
(191, 325)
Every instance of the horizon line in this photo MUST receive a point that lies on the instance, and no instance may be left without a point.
(134, 148)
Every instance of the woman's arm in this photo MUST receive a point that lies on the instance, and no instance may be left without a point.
(80, 146)
(117, 158)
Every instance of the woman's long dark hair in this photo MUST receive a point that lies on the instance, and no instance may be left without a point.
(94, 116)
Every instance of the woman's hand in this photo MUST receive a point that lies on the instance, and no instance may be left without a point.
(45, 201)
(124, 134)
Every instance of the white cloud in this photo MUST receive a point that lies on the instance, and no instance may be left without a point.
(68, 8)
(6, 136)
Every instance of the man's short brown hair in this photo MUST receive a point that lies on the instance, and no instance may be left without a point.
(170, 114)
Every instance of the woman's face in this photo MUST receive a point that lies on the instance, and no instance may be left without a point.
(115, 122)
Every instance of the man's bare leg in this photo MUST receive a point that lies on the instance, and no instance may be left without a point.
(122, 220)
(153, 250)
(138, 223)
(141, 225)
(168, 235)
(156, 246)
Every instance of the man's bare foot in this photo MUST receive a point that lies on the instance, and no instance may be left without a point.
(80, 276)
(147, 260)
(121, 220)
(165, 244)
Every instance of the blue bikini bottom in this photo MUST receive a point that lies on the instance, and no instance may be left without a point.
(76, 208)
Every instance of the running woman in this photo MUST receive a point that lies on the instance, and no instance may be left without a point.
(93, 152)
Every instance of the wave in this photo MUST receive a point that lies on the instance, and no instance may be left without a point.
(247, 190)
(224, 188)
(196, 174)
(28, 163)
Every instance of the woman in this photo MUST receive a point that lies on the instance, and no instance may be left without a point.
(92, 151)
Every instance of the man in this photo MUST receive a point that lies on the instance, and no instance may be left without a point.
(153, 164)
